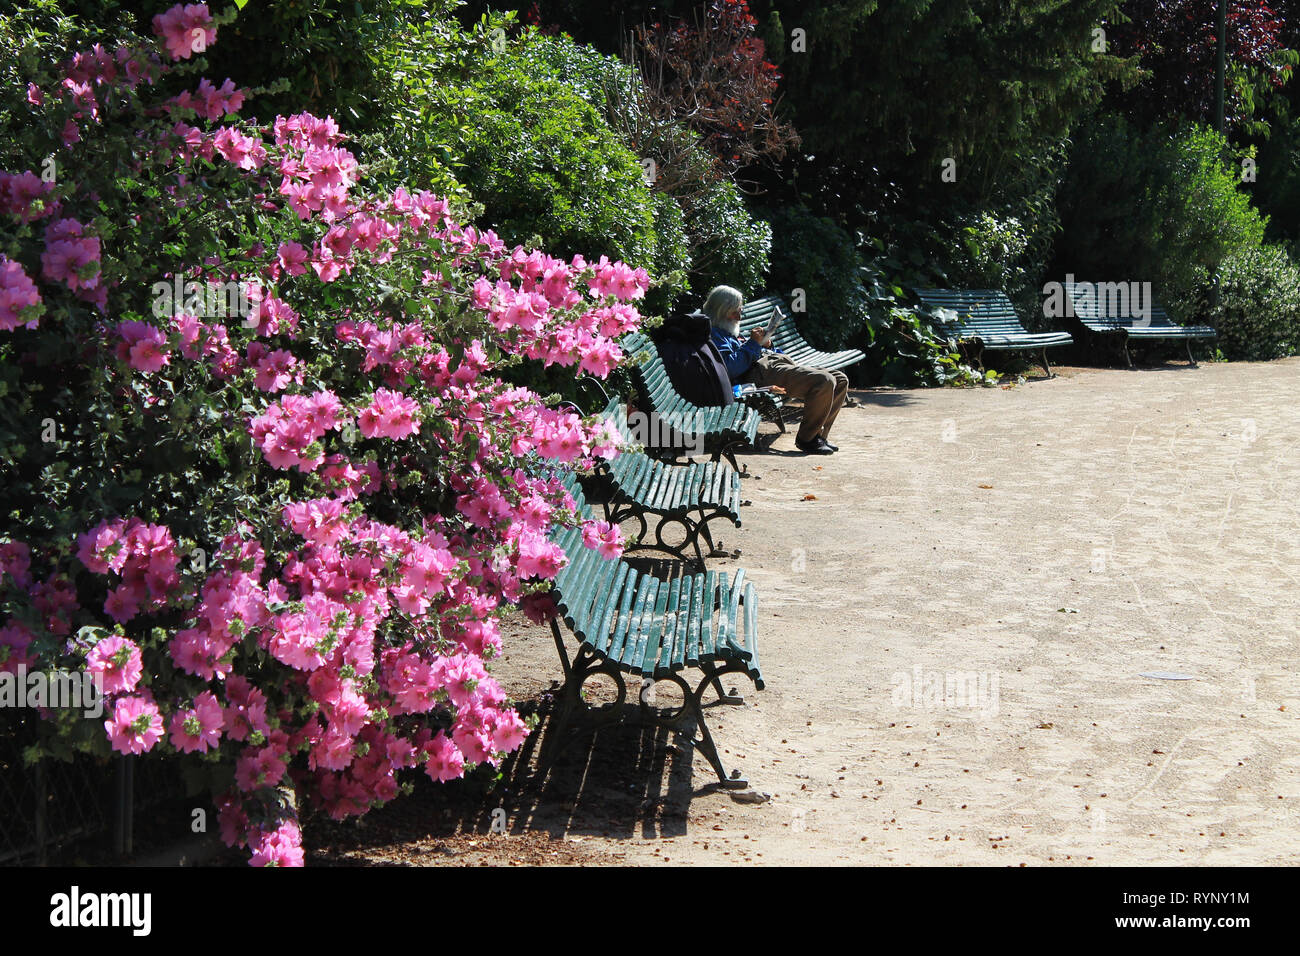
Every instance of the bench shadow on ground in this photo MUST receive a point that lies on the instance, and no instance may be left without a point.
(624, 779)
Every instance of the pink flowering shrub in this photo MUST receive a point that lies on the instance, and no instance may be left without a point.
(280, 535)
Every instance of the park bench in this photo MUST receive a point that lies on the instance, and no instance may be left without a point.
(986, 318)
(755, 315)
(677, 426)
(1101, 314)
(631, 624)
(689, 496)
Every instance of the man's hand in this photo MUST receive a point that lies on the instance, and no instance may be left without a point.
(759, 335)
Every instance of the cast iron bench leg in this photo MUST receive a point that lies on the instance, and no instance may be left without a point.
(705, 743)
(713, 676)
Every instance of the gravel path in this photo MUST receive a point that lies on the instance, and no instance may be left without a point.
(956, 611)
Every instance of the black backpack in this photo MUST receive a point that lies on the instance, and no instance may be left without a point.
(693, 362)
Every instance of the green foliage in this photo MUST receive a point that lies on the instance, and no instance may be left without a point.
(1161, 206)
(991, 248)
(540, 159)
(731, 246)
(321, 49)
(909, 83)
(814, 254)
(1258, 310)
(912, 352)
(1277, 180)
(723, 243)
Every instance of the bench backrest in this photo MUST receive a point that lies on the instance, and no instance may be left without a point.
(1108, 305)
(679, 419)
(651, 374)
(756, 313)
(977, 311)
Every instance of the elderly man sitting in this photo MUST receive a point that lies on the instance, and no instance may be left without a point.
(823, 392)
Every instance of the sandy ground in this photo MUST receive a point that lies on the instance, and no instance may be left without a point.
(954, 632)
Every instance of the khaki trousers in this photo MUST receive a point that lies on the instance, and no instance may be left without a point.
(823, 393)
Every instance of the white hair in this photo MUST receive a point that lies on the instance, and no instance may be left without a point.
(721, 302)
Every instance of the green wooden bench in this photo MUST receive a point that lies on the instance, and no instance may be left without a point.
(632, 624)
(1101, 314)
(680, 426)
(986, 318)
(689, 496)
(755, 315)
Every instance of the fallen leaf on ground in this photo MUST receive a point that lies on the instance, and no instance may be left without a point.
(986, 486)
(809, 498)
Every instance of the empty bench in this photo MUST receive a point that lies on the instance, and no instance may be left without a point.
(1102, 312)
(690, 496)
(986, 318)
(629, 624)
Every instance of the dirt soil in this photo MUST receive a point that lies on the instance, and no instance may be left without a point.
(956, 614)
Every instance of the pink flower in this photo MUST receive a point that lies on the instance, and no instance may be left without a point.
(70, 257)
(143, 346)
(508, 731)
(212, 103)
(136, 725)
(20, 303)
(16, 561)
(275, 371)
(22, 195)
(258, 768)
(118, 663)
(280, 847)
(239, 148)
(445, 761)
(603, 537)
(390, 414)
(185, 30)
(198, 728)
(292, 258)
(601, 358)
(15, 638)
(538, 557)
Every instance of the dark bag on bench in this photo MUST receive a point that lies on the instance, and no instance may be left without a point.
(692, 361)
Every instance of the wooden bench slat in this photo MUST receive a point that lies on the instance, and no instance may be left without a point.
(642, 622)
(651, 645)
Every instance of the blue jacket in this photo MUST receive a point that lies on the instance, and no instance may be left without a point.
(738, 356)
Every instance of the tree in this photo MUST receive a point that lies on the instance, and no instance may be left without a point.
(1176, 41)
(712, 76)
(903, 86)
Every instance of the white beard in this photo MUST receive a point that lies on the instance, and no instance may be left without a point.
(731, 327)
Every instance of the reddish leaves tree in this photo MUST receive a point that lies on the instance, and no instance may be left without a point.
(1177, 41)
(713, 76)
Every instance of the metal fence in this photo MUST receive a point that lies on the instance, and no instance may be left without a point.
(47, 807)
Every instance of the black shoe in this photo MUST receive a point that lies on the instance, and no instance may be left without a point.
(830, 446)
(817, 446)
